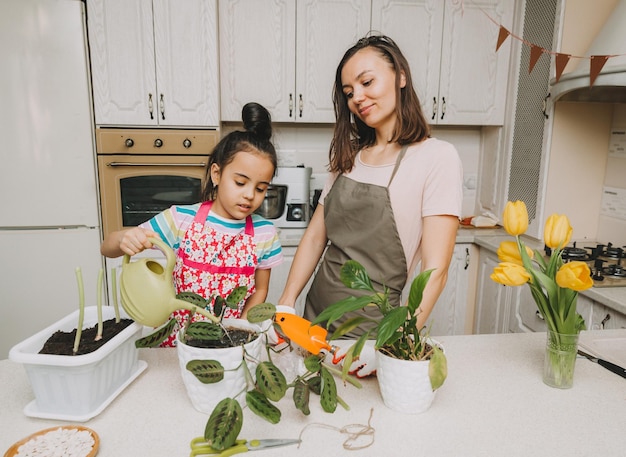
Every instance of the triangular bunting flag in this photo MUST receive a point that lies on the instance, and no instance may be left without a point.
(502, 36)
(535, 53)
(597, 62)
(561, 62)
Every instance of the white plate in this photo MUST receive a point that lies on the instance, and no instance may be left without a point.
(31, 409)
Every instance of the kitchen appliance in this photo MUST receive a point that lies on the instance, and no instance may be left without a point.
(49, 223)
(273, 205)
(606, 262)
(297, 212)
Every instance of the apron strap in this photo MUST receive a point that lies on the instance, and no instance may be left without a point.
(398, 160)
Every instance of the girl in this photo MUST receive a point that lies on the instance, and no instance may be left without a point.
(220, 244)
(393, 197)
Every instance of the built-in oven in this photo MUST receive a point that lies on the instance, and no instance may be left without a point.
(142, 172)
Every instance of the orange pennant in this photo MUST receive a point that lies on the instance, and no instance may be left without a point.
(561, 63)
(535, 53)
(597, 62)
(502, 36)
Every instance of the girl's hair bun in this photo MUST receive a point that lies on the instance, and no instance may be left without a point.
(257, 120)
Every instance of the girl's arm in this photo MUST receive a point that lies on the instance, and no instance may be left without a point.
(438, 239)
(261, 286)
(307, 256)
(130, 241)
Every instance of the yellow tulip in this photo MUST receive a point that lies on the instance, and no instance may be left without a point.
(515, 218)
(557, 231)
(574, 275)
(510, 274)
(509, 252)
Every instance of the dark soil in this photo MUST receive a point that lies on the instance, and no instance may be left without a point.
(237, 338)
(62, 343)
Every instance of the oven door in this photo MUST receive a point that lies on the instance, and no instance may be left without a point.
(135, 188)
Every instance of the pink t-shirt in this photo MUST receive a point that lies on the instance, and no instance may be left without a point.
(429, 182)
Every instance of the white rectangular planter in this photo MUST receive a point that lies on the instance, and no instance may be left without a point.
(79, 387)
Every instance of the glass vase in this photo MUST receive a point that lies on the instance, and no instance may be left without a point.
(560, 359)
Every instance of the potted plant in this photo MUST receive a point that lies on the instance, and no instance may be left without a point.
(224, 371)
(79, 383)
(410, 365)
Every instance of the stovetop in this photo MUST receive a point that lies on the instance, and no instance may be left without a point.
(607, 262)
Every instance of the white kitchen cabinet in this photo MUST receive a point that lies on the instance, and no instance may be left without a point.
(154, 62)
(459, 77)
(283, 54)
(598, 316)
(493, 300)
(452, 311)
(278, 280)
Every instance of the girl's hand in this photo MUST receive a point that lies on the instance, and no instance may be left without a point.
(135, 240)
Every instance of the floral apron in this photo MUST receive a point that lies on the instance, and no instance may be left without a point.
(212, 263)
(361, 226)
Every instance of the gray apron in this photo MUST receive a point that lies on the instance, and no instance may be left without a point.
(360, 226)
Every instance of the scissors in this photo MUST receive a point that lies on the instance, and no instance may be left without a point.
(199, 446)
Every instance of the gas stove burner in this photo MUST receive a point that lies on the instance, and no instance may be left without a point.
(614, 271)
(574, 253)
(613, 252)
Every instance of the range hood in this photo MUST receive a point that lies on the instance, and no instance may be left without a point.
(610, 84)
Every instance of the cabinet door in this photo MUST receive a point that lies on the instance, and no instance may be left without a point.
(473, 80)
(257, 57)
(185, 38)
(278, 279)
(448, 315)
(417, 27)
(121, 42)
(604, 318)
(325, 30)
(491, 298)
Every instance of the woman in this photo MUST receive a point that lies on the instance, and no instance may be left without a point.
(394, 194)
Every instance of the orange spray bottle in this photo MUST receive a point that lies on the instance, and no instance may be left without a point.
(300, 331)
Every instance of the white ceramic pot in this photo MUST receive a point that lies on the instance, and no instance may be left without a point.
(205, 397)
(404, 384)
(77, 388)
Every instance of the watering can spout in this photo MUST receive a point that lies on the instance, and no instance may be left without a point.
(147, 289)
(300, 331)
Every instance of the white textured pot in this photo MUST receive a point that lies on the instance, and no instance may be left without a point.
(79, 387)
(205, 397)
(404, 384)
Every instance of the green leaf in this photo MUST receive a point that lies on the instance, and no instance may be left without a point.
(261, 406)
(390, 324)
(236, 296)
(224, 424)
(204, 330)
(156, 337)
(207, 371)
(271, 381)
(349, 325)
(315, 384)
(312, 363)
(328, 396)
(261, 312)
(193, 298)
(417, 290)
(219, 306)
(338, 309)
(301, 394)
(354, 276)
(437, 368)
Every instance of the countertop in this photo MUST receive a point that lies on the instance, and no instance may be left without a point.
(494, 403)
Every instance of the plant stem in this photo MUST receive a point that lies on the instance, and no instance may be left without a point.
(81, 308)
(338, 373)
(114, 291)
(99, 303)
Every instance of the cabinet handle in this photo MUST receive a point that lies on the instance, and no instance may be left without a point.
(434, 108)
(544, 106)
(443, 107)
(605, 320)
(467, 259)
(539, 316)
(301, 105)
(290, 105)
(155, 164)
(150, 107)
(162, 107)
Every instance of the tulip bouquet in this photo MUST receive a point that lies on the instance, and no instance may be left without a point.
(554, 284)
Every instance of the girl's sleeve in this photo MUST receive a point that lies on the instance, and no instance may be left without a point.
(269, 250)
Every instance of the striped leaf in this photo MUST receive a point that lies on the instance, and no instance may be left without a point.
(224, 424)
(207, 371)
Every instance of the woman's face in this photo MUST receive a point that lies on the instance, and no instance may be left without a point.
(369, 83)
(241, 184)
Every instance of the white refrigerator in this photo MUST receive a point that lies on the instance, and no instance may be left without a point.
(49, 216)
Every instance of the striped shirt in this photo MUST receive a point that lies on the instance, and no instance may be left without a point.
(172, 224)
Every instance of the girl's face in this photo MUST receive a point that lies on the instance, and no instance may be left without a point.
(242, 184)
(369, 83)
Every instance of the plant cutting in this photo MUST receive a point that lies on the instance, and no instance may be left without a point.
(262, 382)
(554, 285)
(395, 333)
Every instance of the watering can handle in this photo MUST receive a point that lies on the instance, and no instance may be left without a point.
(169, 254)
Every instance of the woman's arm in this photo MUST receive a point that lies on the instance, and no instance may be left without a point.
(261, 287)
(438, 239)
(307, 256)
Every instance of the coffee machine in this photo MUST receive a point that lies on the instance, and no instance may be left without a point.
(297, 211)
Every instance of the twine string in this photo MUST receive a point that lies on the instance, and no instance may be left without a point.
(354, 433)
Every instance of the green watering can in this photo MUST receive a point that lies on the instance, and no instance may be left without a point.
(147, 289)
